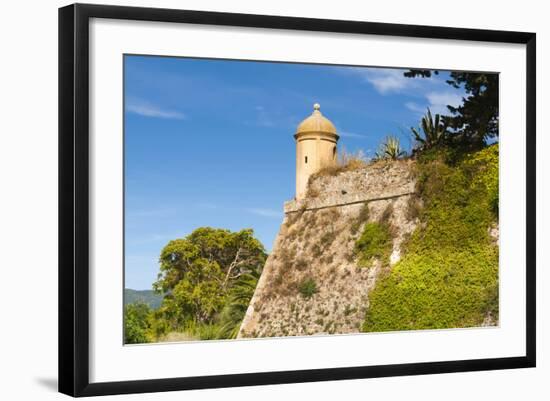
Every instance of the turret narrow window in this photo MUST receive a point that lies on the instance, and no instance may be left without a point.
(306, 159)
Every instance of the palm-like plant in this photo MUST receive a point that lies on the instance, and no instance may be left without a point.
(390, 149)
(239, 297)
(434, 132)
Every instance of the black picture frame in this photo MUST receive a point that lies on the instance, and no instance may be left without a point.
(74, 198)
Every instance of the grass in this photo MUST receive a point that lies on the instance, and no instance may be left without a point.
(346, 162)
(448, 275)
(195, 331)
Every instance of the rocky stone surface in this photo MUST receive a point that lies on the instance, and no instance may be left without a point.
(376, 181)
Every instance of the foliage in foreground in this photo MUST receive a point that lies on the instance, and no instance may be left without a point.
(136, 323)
(224, 325)
(207, 280)
(448, 276)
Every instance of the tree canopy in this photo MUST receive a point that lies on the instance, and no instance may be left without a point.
(198, 272)
(476, 120)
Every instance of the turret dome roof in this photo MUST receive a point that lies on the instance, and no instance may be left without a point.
(316, 122)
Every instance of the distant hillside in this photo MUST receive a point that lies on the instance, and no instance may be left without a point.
(146, 296)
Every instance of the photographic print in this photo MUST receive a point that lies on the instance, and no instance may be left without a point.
(271, 199)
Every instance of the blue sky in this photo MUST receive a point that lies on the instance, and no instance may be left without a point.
(210, 142)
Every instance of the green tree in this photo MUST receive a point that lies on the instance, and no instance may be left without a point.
(197, 273)
(433, 134)
(476, 120)
(136, 323)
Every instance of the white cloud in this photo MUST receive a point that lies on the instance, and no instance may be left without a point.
(388, 80)
(146, 109)
(385, 80)
(437, 102)
(266, 212)
(415, 107)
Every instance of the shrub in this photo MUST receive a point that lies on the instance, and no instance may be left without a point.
(136, 323)
(308, 288)
(374, 242)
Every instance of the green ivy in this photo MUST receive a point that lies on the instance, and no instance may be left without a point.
(374, 242)
(448, 276)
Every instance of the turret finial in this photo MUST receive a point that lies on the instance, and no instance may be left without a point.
(316, 107)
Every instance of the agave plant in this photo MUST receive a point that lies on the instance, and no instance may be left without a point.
(390, 149)
(434, 132)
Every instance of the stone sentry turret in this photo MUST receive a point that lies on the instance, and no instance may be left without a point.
(316, 148)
